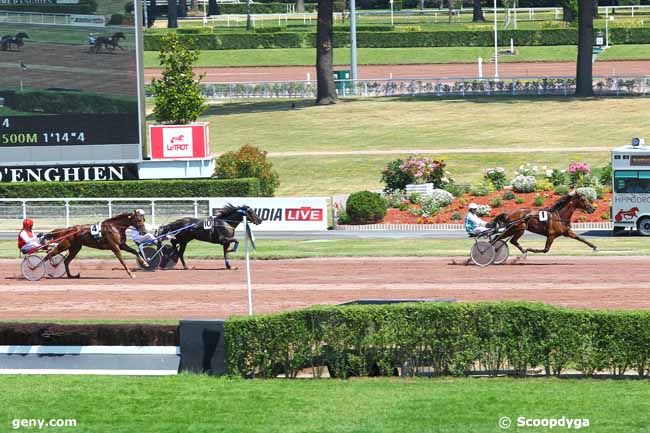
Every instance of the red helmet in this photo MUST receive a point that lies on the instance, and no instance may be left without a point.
(28, 224)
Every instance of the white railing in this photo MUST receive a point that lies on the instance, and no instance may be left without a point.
(51, 213)
(440, 87)
(33, 18)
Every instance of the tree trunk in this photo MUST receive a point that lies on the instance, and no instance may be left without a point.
(567, 12)
(421, 4)
(300, 6)
(326, 93)
(584, 86)
(449, 3)
(478, 16)
(213, 7)
(172, 14)
(183, 8)
(596, 9)
(151, 13)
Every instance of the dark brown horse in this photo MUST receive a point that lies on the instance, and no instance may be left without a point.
(108, 42)
(108, 235)
(552, 222)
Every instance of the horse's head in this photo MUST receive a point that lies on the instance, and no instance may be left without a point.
(119, 35)
(136, 218)
(22, 35)
(582, 202)
(250, 214)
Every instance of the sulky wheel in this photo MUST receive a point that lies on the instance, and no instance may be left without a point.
(32, 268)
(482, 253)
(169, 257)
(55, 267)
(501, 252)
(153, 258)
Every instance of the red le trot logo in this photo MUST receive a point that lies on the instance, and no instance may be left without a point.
(303, 214)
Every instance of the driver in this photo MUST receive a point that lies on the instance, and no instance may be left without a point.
(473, 224)
(27, 240)
(91, 39)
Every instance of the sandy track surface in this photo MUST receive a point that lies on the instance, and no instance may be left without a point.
(208, 291)
(464, 70)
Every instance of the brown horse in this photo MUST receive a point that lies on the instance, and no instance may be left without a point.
(109, 235)
(552, 222)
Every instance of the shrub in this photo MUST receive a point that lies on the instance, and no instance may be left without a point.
(394, 178)
(366, 207)
(495, 202)
(519, 200)
(134, 188)
(578, 173)
(588, 192)
(483, 210)
(426, 170)
(457, 189)
(527, 170)
(395, 199)
(479, 190)
(561, 190)
(508, 195)
(116, 19)
(523, 183)
(543, 185)
(248, 161)
(539, 200)
(605, 176)
(441, 198)
(497, 177)
(456, 216)
(414, 198)
(428, 207)
(558, 177)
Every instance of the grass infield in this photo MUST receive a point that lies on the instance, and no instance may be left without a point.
(204, 404)
(269, 249)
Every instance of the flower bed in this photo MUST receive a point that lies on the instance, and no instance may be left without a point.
(455, 212)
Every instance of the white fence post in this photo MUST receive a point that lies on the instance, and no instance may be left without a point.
(153, 212)
(67, 213)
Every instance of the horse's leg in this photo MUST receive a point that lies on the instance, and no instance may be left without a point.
(547, 247)
(572, 235)
(72, 253)
(137, 255)
(226, 247)
(117, 252)
(181, 251)
(516, 234)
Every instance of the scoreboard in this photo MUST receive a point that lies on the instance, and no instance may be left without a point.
(70, 93)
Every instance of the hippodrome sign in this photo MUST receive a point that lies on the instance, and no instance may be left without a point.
(281, 213)
(68, 97)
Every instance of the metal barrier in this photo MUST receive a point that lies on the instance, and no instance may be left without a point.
(439, 87)
(54, 213)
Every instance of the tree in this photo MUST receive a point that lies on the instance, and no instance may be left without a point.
(478, 16)
(213, 7)
(248, 161)
(569, 10)
(177, 94)
(300, 6)
(326, 90)
(584, 72)
(172, 14)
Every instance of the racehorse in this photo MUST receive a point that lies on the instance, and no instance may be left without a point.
(219, 229)
(7, 41)
(108, 42)
(109, 235)
(552, 222)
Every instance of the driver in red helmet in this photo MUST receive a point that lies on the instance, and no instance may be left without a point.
(27, 240)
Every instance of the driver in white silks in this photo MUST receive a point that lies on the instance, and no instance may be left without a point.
(141, 240)
(473, 223)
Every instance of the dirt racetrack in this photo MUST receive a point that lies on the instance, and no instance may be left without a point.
(210, 292)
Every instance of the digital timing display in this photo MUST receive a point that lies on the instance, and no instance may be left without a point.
(637, 160)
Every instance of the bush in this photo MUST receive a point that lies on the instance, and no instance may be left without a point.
(256, 8)
(495, 202)
(479, 190)
(509, 195)
(558, 177)
(605, 176)
(248, 161)
(497, 177)
(519, 200)
(457, 189)
(133, 188)
(396, 199)
(579, 174)
(588, 192)
(426, 170)
(539, 201)
(428, 207)
(394, 178)
(441, 198)
(366, 207)
(84, 7)
(483, 210)
(561, 190)
(456, 216)
(523, 183)
(543, 185)
(116, 20)
(438, 338)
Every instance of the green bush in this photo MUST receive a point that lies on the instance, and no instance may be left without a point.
(116, 19)
(133, 188)
(538, 201)
(479, 190)
(561, 190)
(52, 101)
(194, 30)
(605, 174)
(366, 207)
(394, 178)
(442, 338)
(248, 161)
(509, 195)
(240, 41)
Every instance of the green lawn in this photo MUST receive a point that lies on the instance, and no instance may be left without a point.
(205, 404)
(404, 247)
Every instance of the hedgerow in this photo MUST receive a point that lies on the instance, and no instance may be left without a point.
(134, 188)
(439, 338)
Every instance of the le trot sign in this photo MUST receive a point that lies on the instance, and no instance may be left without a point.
(179, 141)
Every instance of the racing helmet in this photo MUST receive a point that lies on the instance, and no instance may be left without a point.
(28, 224)
(472, 206)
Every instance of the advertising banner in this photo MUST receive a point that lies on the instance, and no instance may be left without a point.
(179, 141)
(288, 214)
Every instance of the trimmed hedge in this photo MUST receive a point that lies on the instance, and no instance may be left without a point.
(53, 101)
(53, 334)
(443, 338)
(134, 188)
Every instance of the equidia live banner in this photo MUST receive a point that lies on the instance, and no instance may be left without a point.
(288, 214)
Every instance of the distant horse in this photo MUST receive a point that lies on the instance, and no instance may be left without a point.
(108, 42)
(7, 41)
(551, 222)
(109, 235)
(219, 229)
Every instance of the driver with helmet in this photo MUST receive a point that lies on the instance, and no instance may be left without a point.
(27, 240)
(473, 223)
